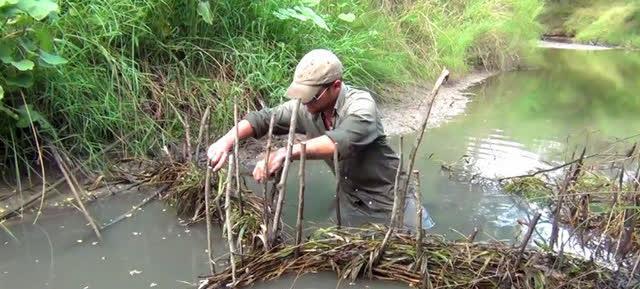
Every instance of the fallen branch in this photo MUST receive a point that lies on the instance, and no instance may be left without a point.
(414, 151)
(72, 186)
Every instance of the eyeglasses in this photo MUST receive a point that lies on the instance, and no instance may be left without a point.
(318, 96)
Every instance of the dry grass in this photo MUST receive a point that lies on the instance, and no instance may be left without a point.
(442, 264)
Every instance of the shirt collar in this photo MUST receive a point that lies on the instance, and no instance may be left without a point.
(344, 89)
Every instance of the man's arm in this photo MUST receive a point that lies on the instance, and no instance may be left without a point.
(255, 124)
(321, 147)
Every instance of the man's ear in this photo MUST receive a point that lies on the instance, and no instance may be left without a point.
(336, 84)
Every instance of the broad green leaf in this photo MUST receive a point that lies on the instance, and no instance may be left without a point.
(28, 45)
(44, 39)
(8, 12)
(26, 115)
(7, 2)
(204, 10)
(24, 79)
(6, 51)
(23, 65)
(25, 119)
(52, 59)
(1, 93)
(303, 14)
(349, 17)
(308, 12)
(38, 9)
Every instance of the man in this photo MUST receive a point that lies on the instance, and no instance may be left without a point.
(335, 117)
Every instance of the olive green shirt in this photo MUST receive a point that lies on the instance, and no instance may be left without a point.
(367, 164)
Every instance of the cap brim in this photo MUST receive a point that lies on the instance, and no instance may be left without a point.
(303, 92)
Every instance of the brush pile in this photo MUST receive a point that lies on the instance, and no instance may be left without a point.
(185, 183)
(349, 253)
(597, 197)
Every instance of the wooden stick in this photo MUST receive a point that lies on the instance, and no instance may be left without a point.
(336, 168)
(633, 271)
(412, 156)
(419, 231)
(227, 206)
(394, 212)
(283, 179)
(202, 130)
(135, 208)
(236, 144)
(266, 201)
(43, 194)
(527, 237)
(72, 186)
(187, 128)
(207, 197)
(473, 235)
(303, 156)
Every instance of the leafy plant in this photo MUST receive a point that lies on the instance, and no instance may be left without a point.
(25, 44)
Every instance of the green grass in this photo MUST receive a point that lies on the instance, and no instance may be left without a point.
(596, 21)
(131, 60)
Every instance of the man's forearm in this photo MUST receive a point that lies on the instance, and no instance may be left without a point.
(245, 130)
(321, 147)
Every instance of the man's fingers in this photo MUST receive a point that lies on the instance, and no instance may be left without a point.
(219, 162)
(257, 171)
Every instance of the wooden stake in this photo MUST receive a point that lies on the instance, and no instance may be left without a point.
(527, 237)
(301, 175)
(187, 133)
(419, 231)
(228, 221)
(336, 169)
(236, 145)
(394, 212)
(201, 132)
(414, 151)
(283, 179)
(473, 235)
(207, 197)
(266, 200)
(72, 186)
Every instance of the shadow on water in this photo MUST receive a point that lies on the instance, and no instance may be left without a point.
(517, 122)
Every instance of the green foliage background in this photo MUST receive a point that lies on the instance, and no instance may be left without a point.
(615, 22)
(118, 68)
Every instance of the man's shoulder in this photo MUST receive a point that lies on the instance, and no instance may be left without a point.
(358, 93)
(359, 100)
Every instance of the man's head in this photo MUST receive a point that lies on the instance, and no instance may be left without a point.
(317, 80)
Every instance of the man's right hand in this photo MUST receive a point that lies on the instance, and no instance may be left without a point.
(218, 153)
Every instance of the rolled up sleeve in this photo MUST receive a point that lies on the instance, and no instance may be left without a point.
(259, 120)
(357, 128)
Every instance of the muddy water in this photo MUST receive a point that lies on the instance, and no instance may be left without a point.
(516, 122)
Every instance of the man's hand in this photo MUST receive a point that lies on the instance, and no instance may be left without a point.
(218, 153)
(276, 160)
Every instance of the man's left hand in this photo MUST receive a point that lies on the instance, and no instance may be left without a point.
(276, 160)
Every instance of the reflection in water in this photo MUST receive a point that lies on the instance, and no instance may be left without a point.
(496, 156)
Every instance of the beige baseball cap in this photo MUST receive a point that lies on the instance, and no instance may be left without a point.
(316, 68)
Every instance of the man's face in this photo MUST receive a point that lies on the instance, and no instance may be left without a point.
(325, 99)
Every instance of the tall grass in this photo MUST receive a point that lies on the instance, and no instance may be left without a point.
(132, 60)
(607, 22)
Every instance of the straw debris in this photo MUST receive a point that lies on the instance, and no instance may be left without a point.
(442, 264)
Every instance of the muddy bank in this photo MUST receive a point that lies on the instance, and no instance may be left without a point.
(407, 115)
